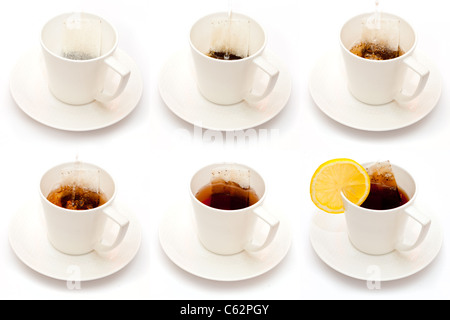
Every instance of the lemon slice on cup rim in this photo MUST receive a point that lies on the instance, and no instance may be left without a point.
(335, 177)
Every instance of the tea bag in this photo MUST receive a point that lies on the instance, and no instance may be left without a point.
(382, 32)
(384, 191)
(230, 38)
(229, 174)
(230, 184)
(381, 173)
(380, 38)
(80, 188)
(82, 37)
(80, 176)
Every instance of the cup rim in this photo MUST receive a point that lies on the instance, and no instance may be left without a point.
(257, 53)
(373, 211)
(261, 198)
(363, 15)
(78, 212)
(103, 56)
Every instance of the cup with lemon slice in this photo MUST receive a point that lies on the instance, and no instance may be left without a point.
(343, 186)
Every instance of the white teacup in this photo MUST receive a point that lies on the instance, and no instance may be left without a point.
(227, 232)
(380, 82)
(230, 82)
(79, 82)
(379, 232)
(80, 232)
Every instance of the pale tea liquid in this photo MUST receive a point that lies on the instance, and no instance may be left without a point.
(375, 52)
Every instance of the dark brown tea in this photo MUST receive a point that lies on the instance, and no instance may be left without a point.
(76, 198)
(372, 51)
(227, 196)
(223, 56)
(385, 198)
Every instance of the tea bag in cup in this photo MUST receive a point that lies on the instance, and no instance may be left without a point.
(229, 39)
(380, 38)
(230, 188)
(384, 191)
(78, 189)
(82, 37)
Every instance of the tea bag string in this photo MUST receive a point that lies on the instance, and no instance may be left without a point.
(230, 19)
(377, 15)
(374, 20)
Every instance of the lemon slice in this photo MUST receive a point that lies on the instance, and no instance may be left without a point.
(335, 177)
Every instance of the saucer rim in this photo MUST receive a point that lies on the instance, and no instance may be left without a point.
(34, 55)
(335, 54)
(175, 210)
(343, 240)
(184, 54)
(65, 260)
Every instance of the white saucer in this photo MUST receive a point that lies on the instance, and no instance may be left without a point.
(178, 89)
(28, 239)
(179, 241)
(330, 241)
(28, 85)
(328, 88)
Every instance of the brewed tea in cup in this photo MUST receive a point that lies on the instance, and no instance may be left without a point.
(78, 201)
(228, 202)
(377, 82)
(227, 195)
(380, 227)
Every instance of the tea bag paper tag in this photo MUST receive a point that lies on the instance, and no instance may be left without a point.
(82, 37)
(230, 36)
(230, 174)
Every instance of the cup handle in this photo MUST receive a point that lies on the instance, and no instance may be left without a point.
(425, 224)
(423, 73)
(273, 224)
(123, 224)
(273, 74)
(124, 74)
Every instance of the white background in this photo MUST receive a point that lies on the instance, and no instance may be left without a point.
(152, 167)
